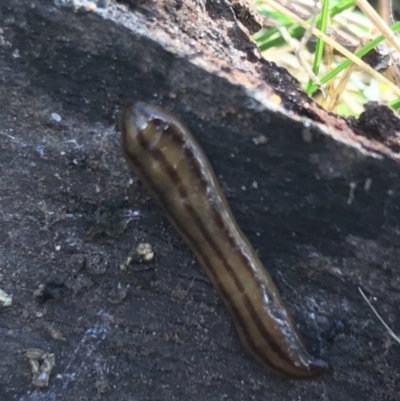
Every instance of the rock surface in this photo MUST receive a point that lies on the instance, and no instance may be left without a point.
(320, 201)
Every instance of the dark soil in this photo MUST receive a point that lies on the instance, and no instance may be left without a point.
(319, 201)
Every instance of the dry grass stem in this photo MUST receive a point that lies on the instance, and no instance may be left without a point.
(390, 331)
(276, 6)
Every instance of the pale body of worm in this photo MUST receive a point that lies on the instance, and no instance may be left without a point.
(168, 160)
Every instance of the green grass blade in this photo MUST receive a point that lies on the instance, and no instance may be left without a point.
(360, 53)
(395, 104)
(319, 50)
(263, 39)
